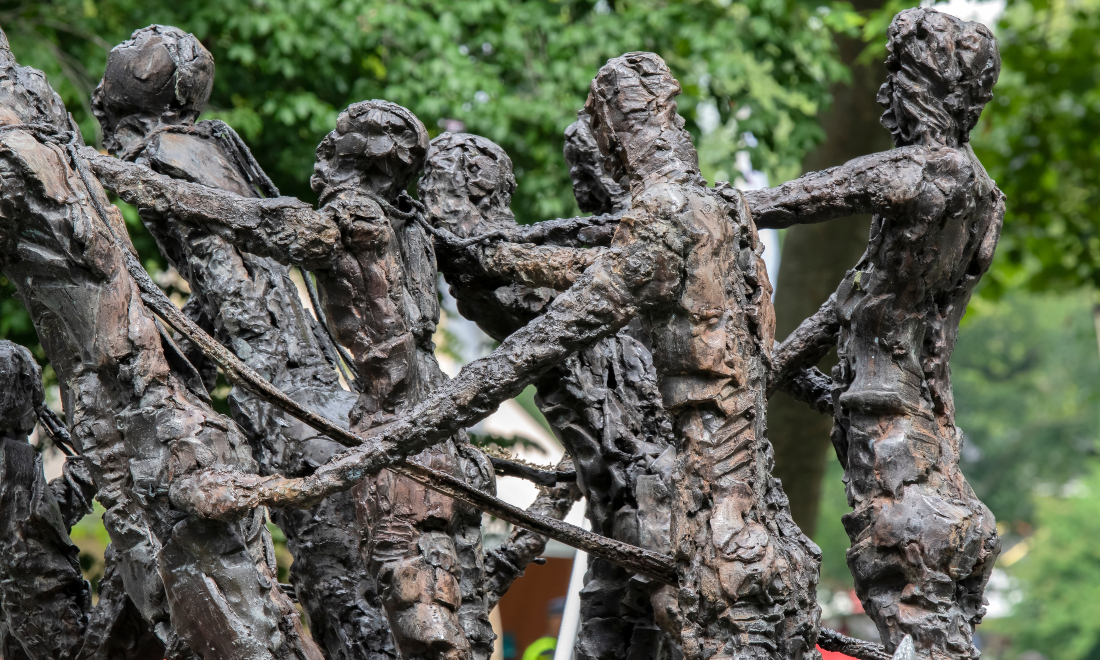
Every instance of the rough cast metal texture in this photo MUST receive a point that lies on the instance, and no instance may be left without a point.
(45, 604)
(747, 574)
(603, 402)
(923, 545)
(769, 582)
(134, 419)
(376, 273)
(44, 600)
(685, 261)
(379, 292)
(506, 563)
(250, 305)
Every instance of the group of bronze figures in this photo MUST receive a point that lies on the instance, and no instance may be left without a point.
(647, 329)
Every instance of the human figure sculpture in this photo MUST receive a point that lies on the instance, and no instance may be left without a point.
(602, 403)
(772, 577)
(155, 86)
(380, 296)
(684, 264)
(923, 545)
(45, 603)
(744, 567)
(376, 275)
(39, 569)
(136, 419)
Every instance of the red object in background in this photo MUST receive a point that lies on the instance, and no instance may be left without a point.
(523, 610)
(833, 655)
(857, 604)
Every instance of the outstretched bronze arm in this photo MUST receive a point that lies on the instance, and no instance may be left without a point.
(604, 300)
(284, 228)
(889, 182)
(292, 232)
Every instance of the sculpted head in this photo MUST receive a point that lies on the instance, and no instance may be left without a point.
(26, 96)
(161, 75)
(633, 114)
(941, 74)
(594, 189)
(377, 146)
(467, 183)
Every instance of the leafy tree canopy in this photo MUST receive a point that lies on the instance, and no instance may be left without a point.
(515, 72)
(754, 73)
(1040, 140)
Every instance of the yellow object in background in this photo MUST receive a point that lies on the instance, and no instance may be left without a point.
(541, 649)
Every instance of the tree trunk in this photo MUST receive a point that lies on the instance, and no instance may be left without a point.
(815, 259)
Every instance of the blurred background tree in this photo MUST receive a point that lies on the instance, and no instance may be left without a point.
(1041, 142)
(758, 76)
(816, 257)
(515, 72)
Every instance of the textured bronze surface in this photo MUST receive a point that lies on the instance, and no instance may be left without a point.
(923, 545)
(250, 305)
(647, 330)
(136, 420)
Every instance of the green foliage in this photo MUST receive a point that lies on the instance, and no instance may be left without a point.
(1026, 375)
(91, 537)
(515, 72)
(1040, 140)
(1060, 577)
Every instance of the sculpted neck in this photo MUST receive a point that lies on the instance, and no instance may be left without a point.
(380, 186)
(932, 140)
(132, 131)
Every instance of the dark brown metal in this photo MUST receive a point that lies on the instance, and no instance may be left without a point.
(131, 416)
(539, 477)
(647, 330)
(830, 640)
(251, 306)
(659, 567)
(923, 545)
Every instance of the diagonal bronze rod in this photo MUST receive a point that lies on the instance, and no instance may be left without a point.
(657, 566)
(651, 564)
(628, 556)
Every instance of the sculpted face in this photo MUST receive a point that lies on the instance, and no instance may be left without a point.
(941, 74)
(376, 144)
(25, 95)
(467, 183)
(160, 75)
(633, 117)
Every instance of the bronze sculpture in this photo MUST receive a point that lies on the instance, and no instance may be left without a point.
(938, 217)
(138, 415)
(647, 330)
(251, 305)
